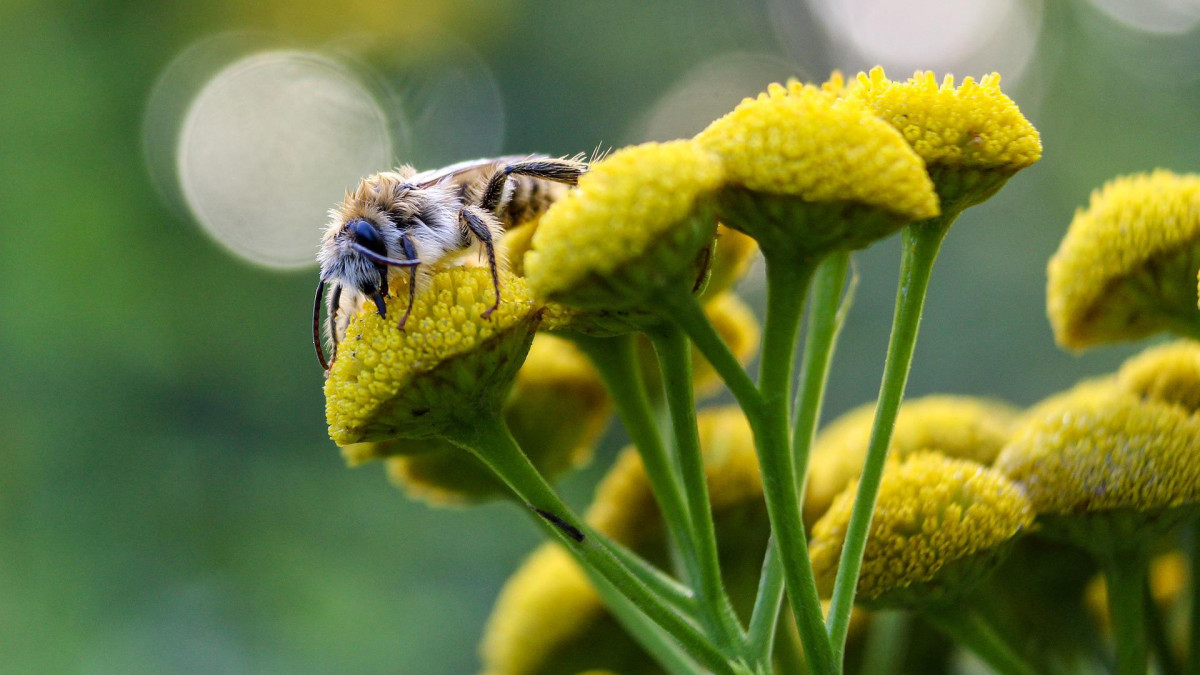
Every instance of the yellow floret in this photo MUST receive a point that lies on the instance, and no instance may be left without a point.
(632, 228)
(1105, 451)
(387, 383)
(1168, 373)
(955, 426)
(810, 144)
(972, 125)
(1125, 269)
(940, 524)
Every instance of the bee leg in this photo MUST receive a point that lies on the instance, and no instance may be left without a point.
(478, 227)
(558, 170)
(317, 325)
(411, 254)
(335, 297)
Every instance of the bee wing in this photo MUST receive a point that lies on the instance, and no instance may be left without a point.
(464, 172)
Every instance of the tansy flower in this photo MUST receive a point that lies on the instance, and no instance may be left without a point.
(387, 383)
(940, 524)
(1127, 267)
(549, 620)
(736, 325)
(1168, 373)
(556, 411)
(807, 172)
(1105, 469)
(640, 223)
(955, 426)
(973, 138)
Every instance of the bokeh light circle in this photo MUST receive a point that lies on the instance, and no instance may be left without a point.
(1162, 17)
(270, 144)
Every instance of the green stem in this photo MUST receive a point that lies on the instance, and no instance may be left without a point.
(485, 436)
(1160, 641)
(971, 630)
(825, 317)
(1193, 657)
(761, 636)
(788, 656)
(690, 317)
(786, 288)
(887, 637)
(674, 593)
(650, 635)
(675, 360)
(1126, 574)
(921, 242)
(616, 361)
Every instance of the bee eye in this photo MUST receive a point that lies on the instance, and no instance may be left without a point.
(366, 234)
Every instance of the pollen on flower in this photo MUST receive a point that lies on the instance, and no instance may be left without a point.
(955, 426)
(1125, 268)
(940, 524)
(972, 125)
(637, 215)
(444, 359)
(1102, 449)
(1167, 373)
(809, 143)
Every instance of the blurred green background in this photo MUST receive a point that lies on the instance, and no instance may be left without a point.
(169, 501)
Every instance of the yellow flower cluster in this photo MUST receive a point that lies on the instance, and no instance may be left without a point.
(809, 144)
(1103, 449)
(1168, 373)
(955, 426)
(636, 221)
(1127, 266)
(939, 525)
(387, 383)
(973, 125)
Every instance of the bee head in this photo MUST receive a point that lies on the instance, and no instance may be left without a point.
(365, 238)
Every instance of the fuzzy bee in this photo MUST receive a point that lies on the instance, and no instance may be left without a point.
(398, 221)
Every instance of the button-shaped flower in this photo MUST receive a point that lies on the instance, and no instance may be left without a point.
(808, 172)
(1167, 373)
(1127, 267)
(972, 137)
(639, 224)
(940, 525)
(955, 426)
(1106, 469)
(447, 363)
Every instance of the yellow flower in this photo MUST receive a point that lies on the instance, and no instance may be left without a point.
(1105, 468)
(955, 426)
(972, 137)
(387, 383)
(731, 260)
(549, 620)
(634, 228)
(808, 172)
(1168, 373)
(736, 325)
(556, 411)
(940, 525)
(1125, 269)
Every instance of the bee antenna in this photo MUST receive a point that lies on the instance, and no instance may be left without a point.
(382, 259)
(317, 325)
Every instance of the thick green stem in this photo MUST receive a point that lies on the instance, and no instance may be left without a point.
(675, 360)
(666, 587)
(825, 317)
(489, 440)
(1125, 573)
(657, 642)
(971, 630)
(690, 317)
(921, 242)
(786, 288)
(616, 361)
(761, 636)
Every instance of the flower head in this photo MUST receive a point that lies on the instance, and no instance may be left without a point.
(955, 426)
(940, 524)
(633, 228)
(556, 411)
(1168, 373)
(1105, 468)
(808, 172)
(1126, 268)
(388, 383)
(972, 137)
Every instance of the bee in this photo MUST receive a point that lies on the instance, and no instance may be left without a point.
(398, 221)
